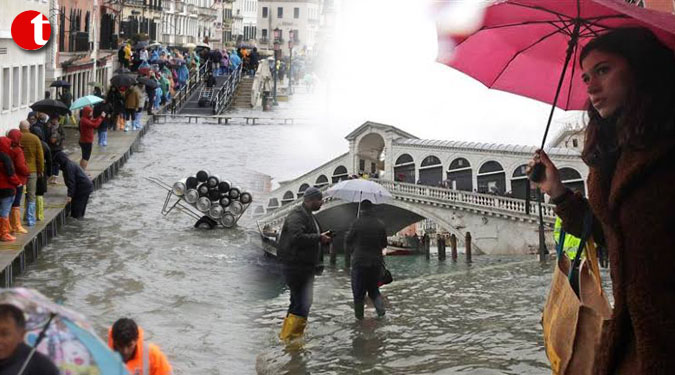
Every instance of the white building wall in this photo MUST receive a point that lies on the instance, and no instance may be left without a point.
(22, 73)
(307, 23)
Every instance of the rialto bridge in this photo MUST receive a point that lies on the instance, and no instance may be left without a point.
(460, 186)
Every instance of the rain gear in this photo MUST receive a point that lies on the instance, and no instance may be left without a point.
(8, 177)
(17, 155)
(235, 60)
(87, 125)
(148, 358)
(77, 182)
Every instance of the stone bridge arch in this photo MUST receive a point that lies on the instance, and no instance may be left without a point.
(396, 214)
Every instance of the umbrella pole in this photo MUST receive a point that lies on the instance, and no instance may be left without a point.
(539, 170)
(41, 336)
(358, 211)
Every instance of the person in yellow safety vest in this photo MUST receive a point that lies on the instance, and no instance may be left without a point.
(140, 357)
(571, 244)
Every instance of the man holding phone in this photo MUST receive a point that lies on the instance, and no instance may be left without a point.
(300, 253)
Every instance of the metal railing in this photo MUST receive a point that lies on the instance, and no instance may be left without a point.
(182, 96)
(226, 93)
(435, 196)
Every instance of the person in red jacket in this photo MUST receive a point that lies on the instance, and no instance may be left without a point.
(8, 183)
(87, 125)
(22, 172)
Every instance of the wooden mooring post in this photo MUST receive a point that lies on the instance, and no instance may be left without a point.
(333, 254)
(453, 247)
(348, 258)
(468, 247)
(427, 246)
(440, 243)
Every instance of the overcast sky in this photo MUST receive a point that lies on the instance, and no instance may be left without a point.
(383, 68)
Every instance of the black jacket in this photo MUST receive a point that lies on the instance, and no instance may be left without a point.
(366, 238)
(299, 242)
(38, 365)
(76, 180)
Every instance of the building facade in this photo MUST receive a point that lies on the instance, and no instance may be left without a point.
(85, 36)
(303, 17)
(245, 21)
(188, 21)
(22, 73)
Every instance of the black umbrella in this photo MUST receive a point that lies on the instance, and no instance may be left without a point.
(50, 106)
(60, 83)
(141, 44)
(149, 82)
(122, 70)
(122, 80)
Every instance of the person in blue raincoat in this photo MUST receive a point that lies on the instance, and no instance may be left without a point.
(183, 74)
(235, 60)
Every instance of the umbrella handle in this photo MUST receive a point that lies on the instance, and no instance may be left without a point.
(41, 336)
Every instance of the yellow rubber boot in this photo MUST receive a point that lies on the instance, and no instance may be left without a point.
(40, 210)
(293, 327)
(15, 221)
(4, 230)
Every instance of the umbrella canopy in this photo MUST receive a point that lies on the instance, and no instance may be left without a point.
(189, 45)
(85, 101)
(50, 106)
(155, 44)
(149, 82)
(70, 341)
(358, 190)
(203, 45)
(122, 70)
(521, 47)
(60, 83)
(122, 80)
(140, 44)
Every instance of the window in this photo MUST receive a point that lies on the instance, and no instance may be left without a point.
(5, 89)
(41, 80)
(575, 143)
(16, 90)
(24, 85)
(33, 86)
(264, 12)
(296, 13)
(264, 33)
(280, 12)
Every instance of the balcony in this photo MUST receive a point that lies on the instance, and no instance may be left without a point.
(263, 41)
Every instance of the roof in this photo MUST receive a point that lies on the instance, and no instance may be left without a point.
(384, 127)
(483, 147)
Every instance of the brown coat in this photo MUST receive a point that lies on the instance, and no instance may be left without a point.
(636, 211)
(132, 99)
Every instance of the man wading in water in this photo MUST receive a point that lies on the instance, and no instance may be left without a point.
(300, 251)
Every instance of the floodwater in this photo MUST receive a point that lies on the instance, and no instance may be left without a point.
(215, 304)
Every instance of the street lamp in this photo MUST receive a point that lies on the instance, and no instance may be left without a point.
(277, 52)
(291, 40)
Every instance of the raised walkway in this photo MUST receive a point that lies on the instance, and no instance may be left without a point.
(103, 166)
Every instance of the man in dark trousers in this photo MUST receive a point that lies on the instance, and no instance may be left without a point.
(299, 252)
(13, 349)
(78, 183)
(366, 238)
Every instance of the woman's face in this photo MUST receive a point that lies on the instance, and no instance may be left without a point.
(607, 78)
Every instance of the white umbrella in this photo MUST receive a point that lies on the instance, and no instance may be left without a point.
(358, 190)
(189, 45)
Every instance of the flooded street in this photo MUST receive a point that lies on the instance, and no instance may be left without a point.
(214, 303)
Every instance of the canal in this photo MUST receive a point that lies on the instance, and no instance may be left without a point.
(214, 303)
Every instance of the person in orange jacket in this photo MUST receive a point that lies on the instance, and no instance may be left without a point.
(140, 356)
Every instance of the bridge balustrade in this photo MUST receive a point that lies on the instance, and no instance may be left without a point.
(439, 195)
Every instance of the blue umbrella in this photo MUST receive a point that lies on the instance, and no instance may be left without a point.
(68, 339)
(85, 101)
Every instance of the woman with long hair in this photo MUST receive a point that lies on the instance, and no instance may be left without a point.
(630, 150)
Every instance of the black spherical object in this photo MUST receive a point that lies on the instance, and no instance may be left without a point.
(202, 175)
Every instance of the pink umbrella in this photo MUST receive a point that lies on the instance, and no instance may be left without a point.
(528, 47)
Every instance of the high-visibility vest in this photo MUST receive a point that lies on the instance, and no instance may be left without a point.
(571, 244)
